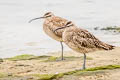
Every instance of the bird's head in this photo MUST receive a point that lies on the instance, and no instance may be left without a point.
(69, 24)
(46, 15)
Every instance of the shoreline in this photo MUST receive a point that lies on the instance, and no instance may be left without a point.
(25, 65)
(41, 44)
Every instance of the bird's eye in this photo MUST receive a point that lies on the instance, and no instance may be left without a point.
(68, 23)
(46, 13)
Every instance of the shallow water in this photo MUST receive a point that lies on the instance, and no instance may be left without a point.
(17, 36)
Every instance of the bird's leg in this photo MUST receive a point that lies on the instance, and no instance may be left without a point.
(84, 64)
(62, 58)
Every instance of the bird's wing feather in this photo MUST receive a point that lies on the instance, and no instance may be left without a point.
(84, 38)
(55, 23)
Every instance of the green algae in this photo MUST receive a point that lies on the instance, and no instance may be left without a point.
(27, 57)
(112, 28)
(44, 58)
(66, 58)
(44, 76)
(103, 67)
(21, 57)
(52, 58)
(60, 75)
(2, 75)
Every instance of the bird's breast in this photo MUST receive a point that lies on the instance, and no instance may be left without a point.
(50, 33)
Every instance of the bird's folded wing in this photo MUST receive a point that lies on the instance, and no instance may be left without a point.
(56, 23)
(83, 38)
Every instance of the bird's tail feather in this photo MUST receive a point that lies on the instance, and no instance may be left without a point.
(107, 46)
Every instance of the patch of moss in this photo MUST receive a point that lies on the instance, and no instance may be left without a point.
(103, 67)
(2, 75)
(69, 58)
(52, 58)
(96, 70)
(60, 75)
(21, 57)
(27, 57)
(88, 73)
(43, 58)
(44, 76)
(1, 60)
(74, 58)
(48, 76)
(112, 28)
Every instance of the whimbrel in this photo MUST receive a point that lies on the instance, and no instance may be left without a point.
(81, 40)
(51, 23)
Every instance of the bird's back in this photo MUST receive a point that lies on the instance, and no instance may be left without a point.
(83, 41)
(50, 24)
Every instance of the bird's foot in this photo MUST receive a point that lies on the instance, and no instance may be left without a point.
(80, 69)
(83, 68)
(60, 59)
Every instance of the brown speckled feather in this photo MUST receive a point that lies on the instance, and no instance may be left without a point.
(83, 41)
(53, 23)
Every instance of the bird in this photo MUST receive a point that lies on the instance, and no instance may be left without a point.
(51, 23)
(82, 41)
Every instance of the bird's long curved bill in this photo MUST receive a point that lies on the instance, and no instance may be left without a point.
(59, 28)
(35, 19)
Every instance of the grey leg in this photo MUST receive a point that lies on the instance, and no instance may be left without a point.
(62, 51)
(84, 67)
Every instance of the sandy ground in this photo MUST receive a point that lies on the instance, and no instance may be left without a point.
(99, 58)
(97, 75)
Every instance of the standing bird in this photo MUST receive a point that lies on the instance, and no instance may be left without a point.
(81, 40)
(51, 23)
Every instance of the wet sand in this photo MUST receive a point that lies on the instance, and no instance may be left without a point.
(74, 62)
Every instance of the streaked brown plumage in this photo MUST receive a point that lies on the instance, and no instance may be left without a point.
(82, 41)
(51, 23)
